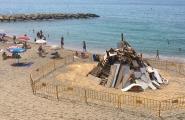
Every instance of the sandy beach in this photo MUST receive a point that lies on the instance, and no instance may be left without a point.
(18, 103)
(76, 73)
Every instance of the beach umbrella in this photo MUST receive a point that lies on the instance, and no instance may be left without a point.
(16, 50)
(41, 41)
(13, 46)
(24, 38)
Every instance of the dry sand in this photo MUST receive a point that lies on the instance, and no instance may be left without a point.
(18, 103)
(77, 72)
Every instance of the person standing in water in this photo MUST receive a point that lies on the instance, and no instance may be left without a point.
(157, 54)
(62, 42)
(84, 47)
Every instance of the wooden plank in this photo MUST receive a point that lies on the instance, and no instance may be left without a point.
(111, 75)
(120, 76)
(127, 73)
(116, 73)
(135, 64)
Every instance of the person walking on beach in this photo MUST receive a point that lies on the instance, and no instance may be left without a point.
(38, 35)
(41, 34)
(84, 47)
(14, 38)
(157, 54)
(62, 42)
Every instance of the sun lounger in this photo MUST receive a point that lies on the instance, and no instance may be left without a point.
(5, 56)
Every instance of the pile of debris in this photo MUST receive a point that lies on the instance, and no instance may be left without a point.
(124, 69)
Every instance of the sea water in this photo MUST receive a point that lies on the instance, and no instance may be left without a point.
(148, 25)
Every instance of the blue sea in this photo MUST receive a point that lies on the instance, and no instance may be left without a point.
(147, 25)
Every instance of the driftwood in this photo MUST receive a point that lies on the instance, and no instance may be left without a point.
(124, 69)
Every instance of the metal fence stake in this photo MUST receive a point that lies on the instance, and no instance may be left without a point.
(54, 65)
(159, 114)
(119, 102)
(32, 84)
(57, 92)
(43, 71)
(85, 96)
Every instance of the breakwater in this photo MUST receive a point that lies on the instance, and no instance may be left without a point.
(29, 17)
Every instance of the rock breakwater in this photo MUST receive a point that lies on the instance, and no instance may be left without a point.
(29, 17)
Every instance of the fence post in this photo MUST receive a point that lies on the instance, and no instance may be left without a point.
(54, 64)
(119, 102)
(179, 68)
(32, 84)
(85, 96)
(43, 71)
(159, 111)
(57, 92)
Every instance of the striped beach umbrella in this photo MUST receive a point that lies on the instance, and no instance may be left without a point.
(16, 50)
(24, 38)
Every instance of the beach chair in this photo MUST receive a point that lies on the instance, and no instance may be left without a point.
(5, 56)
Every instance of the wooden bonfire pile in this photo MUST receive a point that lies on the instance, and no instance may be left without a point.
(124, 69)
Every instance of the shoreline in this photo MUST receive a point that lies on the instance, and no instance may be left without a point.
(73, 48)
(152, 56)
